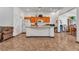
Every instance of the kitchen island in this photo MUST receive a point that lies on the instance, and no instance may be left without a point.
(39, 26)
(40, 31)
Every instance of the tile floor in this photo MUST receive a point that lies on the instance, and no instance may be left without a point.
(61, 42)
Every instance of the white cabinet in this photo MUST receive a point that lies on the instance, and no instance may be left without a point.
(51, 31)
(45, 31)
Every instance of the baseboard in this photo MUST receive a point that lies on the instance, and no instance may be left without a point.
(18, 34)
(77, 41)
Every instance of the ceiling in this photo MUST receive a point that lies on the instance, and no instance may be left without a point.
(46, 9)
(41, 9)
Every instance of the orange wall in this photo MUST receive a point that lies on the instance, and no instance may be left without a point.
(35, 19)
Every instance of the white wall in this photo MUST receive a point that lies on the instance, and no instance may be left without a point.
(6, 16)
(65, 16)
(17, 21)
(77, 24)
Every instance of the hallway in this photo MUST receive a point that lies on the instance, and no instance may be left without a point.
(61, 42)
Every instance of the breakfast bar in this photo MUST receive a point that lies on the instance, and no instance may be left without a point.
(40, 31)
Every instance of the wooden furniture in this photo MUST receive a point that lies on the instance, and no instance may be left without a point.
(72, 30)
(55, 29)
(1, 37)
(6, 33)
(71, 25)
